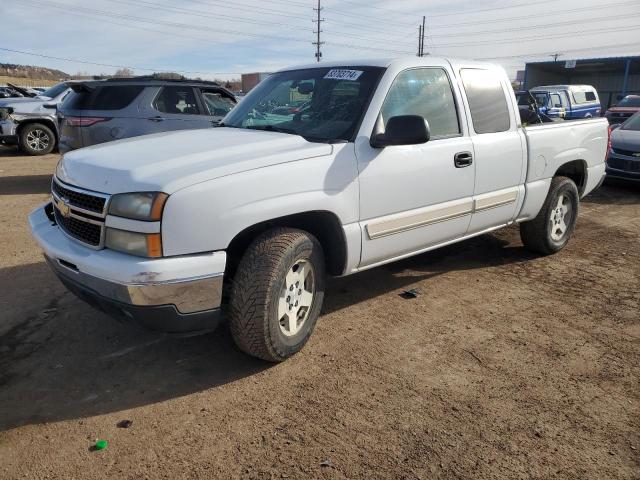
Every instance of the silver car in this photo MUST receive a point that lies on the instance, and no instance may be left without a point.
(30, 122)
(103, 111)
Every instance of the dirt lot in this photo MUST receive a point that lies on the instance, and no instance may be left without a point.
(505, 366)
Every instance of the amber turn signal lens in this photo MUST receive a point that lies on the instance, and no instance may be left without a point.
(158, 206)
(154, 245)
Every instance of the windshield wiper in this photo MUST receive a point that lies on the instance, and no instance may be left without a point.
(271, 128)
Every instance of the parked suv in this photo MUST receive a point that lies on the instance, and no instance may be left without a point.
(102, 111)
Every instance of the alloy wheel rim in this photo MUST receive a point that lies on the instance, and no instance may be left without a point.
(561, 217)
(296, 298)
(38, 139)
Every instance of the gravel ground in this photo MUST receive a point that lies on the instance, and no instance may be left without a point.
(506, 365)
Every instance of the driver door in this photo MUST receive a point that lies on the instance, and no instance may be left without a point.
(416, 196)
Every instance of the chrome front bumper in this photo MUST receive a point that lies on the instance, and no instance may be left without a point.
(188, 296)
(181, 294)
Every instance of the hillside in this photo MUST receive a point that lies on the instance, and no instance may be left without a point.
(31, 72)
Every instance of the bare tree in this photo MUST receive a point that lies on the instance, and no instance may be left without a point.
(124, 72)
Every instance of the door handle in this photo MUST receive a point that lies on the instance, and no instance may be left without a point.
(463, 159)
(156, 119)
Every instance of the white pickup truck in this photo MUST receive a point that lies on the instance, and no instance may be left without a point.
(322, 169)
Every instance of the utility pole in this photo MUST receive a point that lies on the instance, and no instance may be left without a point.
(555, 56)
(424, 19)
(421, 29)
(318, 30)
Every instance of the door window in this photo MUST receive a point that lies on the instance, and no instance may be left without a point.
(487, 101)
(556, 100)
(425, 92)
(176, 100)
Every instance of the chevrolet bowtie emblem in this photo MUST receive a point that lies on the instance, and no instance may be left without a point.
(63, 206)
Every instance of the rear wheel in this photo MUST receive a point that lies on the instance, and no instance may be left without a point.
(551, 230)
(36, 139)
(277, 294)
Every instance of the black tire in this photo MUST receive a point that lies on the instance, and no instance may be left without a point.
(36, 139)
(256, 291)
(543, 234)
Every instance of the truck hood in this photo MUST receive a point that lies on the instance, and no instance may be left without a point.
(170, 161)
(23, 104)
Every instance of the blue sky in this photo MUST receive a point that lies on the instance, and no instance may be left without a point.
(221, 39)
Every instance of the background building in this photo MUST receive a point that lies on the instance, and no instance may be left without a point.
(612, 77)
(250, 80)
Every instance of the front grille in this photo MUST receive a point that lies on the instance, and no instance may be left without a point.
(80, 213)
(628, 153)
(80, 200)
(86, 232)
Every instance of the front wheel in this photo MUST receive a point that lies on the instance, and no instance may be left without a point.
(551, 230)
(277, 294)
(36, 139)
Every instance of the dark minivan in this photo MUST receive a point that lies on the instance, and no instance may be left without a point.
(106, 110)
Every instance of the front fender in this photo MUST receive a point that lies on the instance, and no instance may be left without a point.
(207, 216)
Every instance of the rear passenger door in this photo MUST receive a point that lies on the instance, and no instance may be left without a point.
(175, 107)
(499, 148)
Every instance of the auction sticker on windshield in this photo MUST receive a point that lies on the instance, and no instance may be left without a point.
(339, 74)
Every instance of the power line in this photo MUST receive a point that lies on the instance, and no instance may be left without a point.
(539, 54)
(102, 13)
(540, 14)
(537, 37)
(368, 39)
(531, 27)
(148, 69)
(200, 13)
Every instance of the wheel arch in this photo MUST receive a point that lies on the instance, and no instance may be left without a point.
(44, 121)
(576, 170)
(322, 224)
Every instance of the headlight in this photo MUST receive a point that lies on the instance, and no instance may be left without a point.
(5, 113)
(138, 206)
(134, 243)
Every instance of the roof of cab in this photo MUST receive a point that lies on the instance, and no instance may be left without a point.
(388, 62)
(565, 87)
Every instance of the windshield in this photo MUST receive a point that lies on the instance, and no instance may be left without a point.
(54, 91)
(319, 104)
(632, 124)
(629, 102)
(542, 98)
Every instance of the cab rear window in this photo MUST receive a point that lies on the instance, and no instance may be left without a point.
(487, 102)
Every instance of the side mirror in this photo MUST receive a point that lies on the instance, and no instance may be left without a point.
(50, 105)
(402, 130)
